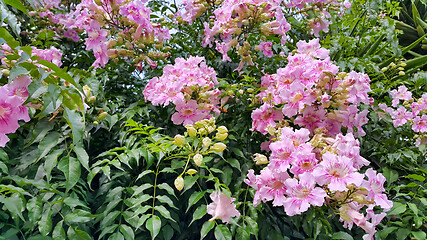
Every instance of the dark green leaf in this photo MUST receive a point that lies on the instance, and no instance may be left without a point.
(222, 233)
(207, 226)
(71, 168)
(153, 225)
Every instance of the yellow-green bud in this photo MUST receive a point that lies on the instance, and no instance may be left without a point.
(401, 73)
(222, 129)
(179, 140)
(95, 123)
(101, 116)
(206, 142)
(191, 171)
(221, 137)
(250, 90)
(260, 159)
(179, 183)
(384, 69)
(192, 132)
(219, 147)
(198, 159)
(91, 99)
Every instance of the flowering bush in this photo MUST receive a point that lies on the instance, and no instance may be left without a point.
(257, 119)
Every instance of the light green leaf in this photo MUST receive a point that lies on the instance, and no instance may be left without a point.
(420, 235)
(397, 209)
(51, 161)
(127, 232)
(207, 226)
(35, 209)
(77, 234)
(59, 72)
(107, 230)
(79, 216)
(342, 235)
(82, 156)
(58, 232)
(116, 236)
(14, 204)
(17, 4)
(222, 233)
(45, 223)
(168, 188)
(194, 198)
(153, 225)
(167, 200)
(70, 166)
(17, 71)
(199, 213)
(47, 143)
(77, 124)
(164, 212)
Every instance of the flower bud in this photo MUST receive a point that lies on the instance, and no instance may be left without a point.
(221, 137)
(95, 123)
(219, 147)
(101, 116)
(179, 183)
(91, 99)
(192, 132)
(206, 142)
(191, 171)
(198, 159)
(260, 159)
(222, 129)
(179, 140)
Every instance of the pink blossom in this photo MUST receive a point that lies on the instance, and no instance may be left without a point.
(3, 139)
(375, 187)
(337, 172)
(401, 93)
(281, 155)
(311, 118)
(303, 162)
(187, 112)
(302, 194)
(400, 116)
(265, 47)
(420, 123)
(9, 111)
(265, 116)
(222, 207)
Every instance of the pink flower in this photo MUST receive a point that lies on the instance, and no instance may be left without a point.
(375, 187)
(9, 111)
(222, 207)
(265, 47)
(303, 162)
(400, 116)
(264, 116)
(281, 155)
(401, 93)
(420, 124)
(337, 172)
(187, 112)
(3, 139)
(302, 194)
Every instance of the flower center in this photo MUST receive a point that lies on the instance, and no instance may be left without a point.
(297, 97)
(187, 112)
(4, 112)
(277, 185)
(302, 192)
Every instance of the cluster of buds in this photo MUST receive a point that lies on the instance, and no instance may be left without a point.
(201, 138)
(100, 19)
(394, 68)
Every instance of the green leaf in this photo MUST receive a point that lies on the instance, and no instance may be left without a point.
(420, 235)
(116, 236)
(402, 233)
(77, 234)
(199, 213)
(167, 200)
(8, 38)
(79, 216)
(77, 124)
(107, 220)
(164, 212)
(35, 209)
(58, 231)
(206, 228)
(82, 156)
(70, 166)
(51, 161)
(391, 175)
(17, 71)
(194, 198)
(14, 204)
(47, 143)
(17, 4)
(127, 232)
(416, 177)
(153, 225)
(168, 188)
(45, 223)
(413, 207)
(72, 100)
(397, 209)
(386, 231)
(222, 233)
(59, 72)
(342, 235)
(107, 230)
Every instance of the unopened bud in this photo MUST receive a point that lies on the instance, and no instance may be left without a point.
(5, 72)
(91, 99)
(219, 147)
(206, 142)
(191, 171)
(95, 123)
(192, 132)
(260, 159)
(221, 137)
(198, 159)
(179, 140)
(401, 73)
(102, 115)
(179, 183)
(222, 129)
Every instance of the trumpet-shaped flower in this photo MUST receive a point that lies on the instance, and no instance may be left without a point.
(222, 207)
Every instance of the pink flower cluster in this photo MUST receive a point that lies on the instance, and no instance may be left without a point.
(12, 96)
(189, 84)
(413, 111)
(306, 171)
(128, 19)
(312, 91)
